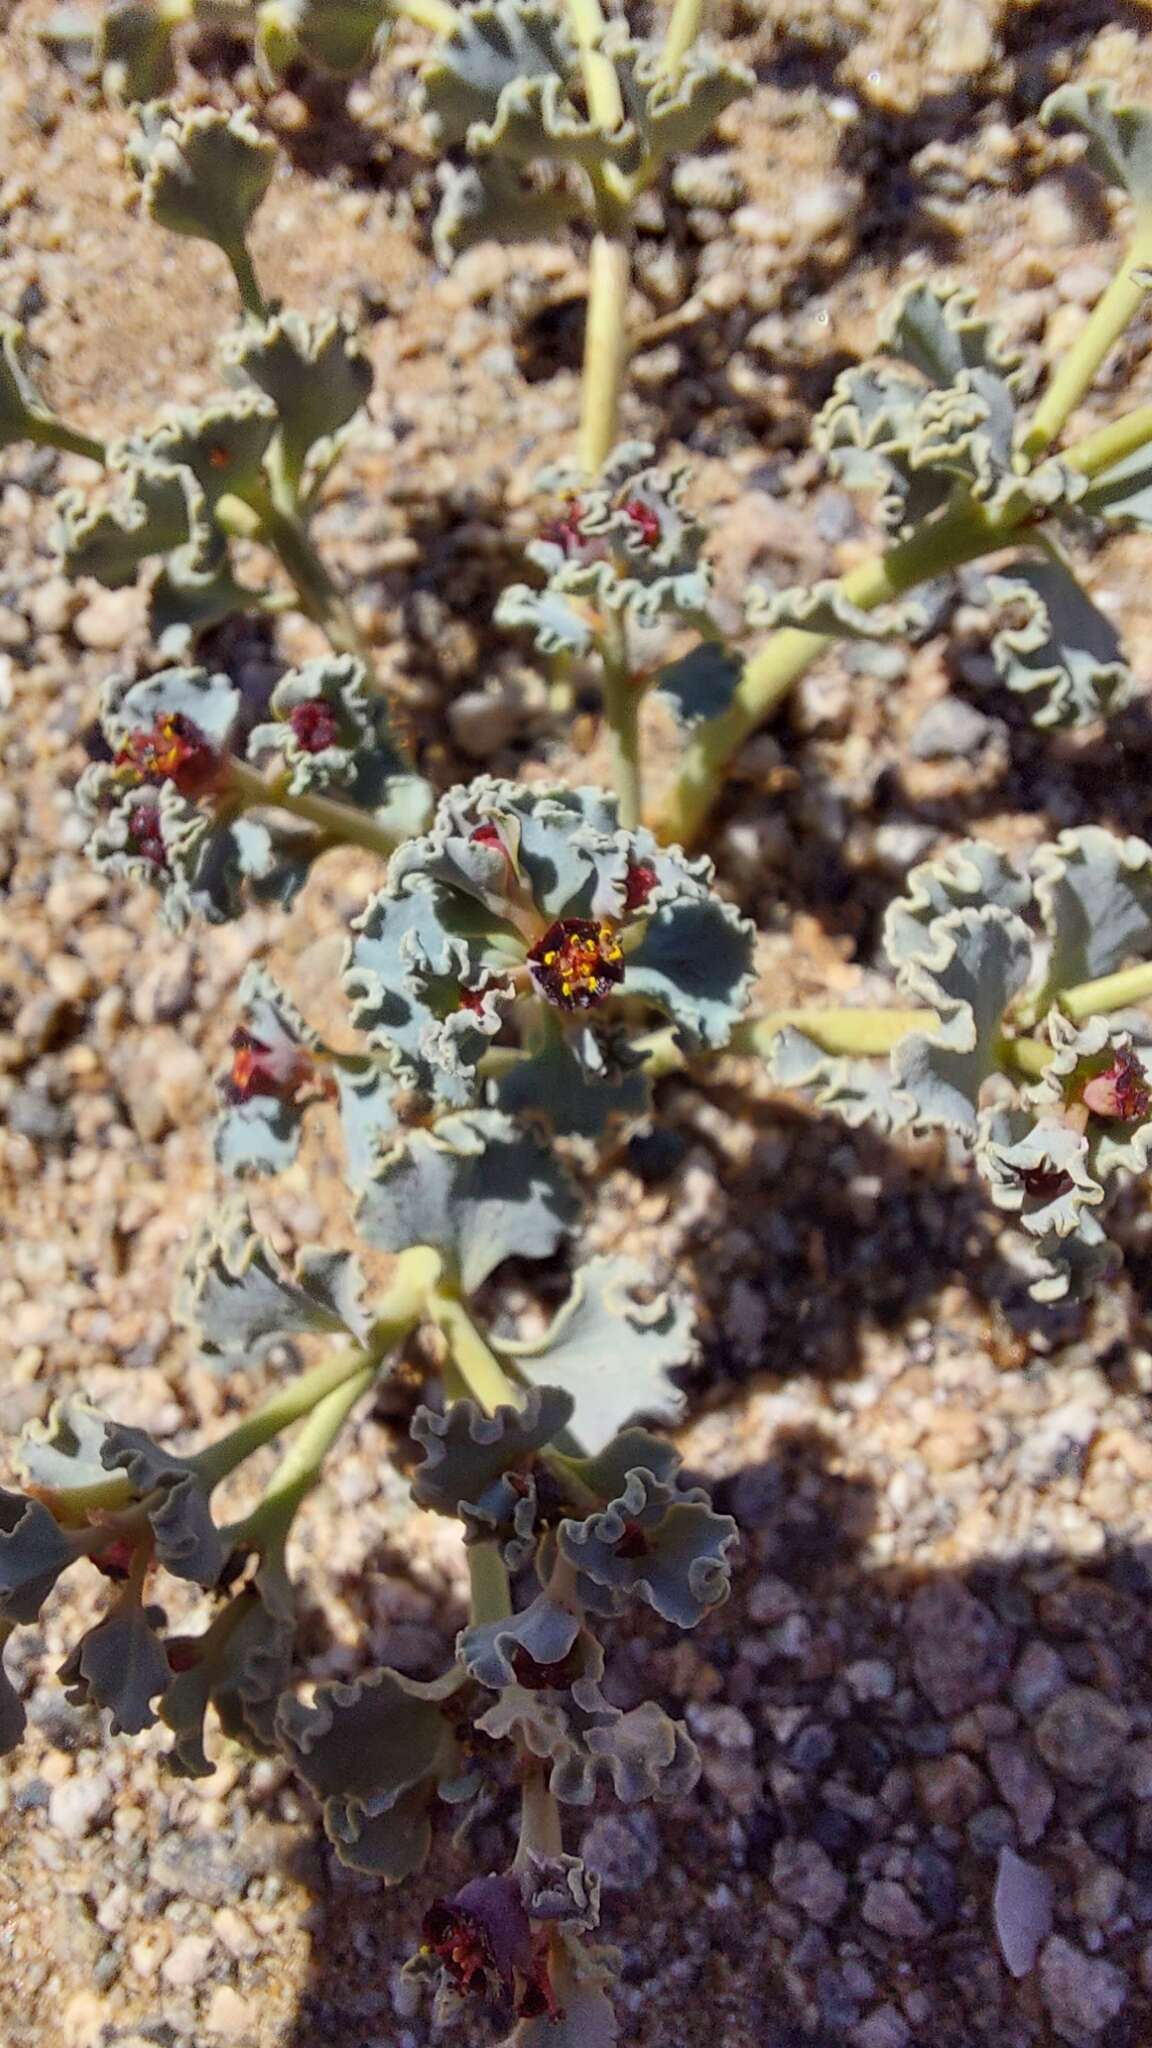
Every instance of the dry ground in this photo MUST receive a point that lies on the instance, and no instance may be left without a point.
(939, 1641)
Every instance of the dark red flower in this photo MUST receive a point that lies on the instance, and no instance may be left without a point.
(1121, 1091)
(183, 1653)
(577, 963)
(473, 998)
(633, 1543)
(144, 835)
(1045, 1183)
(645, 519)
(485, 1942)
(258, 1069)
(639, 883)
(174, 750)
(315, 725)
(553, 1677)
(116, 1561)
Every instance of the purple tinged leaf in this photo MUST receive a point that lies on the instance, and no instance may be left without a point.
(121, 1665)
(13, 1719)
(33, 1552)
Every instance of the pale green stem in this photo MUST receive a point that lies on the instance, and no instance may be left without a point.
(684, 26)
(344, 824)
(54, 433)
(491, 1599)
(541, 1832)
(435, 15)
(622, 694)
(1109, 992)
(301, 1466)
(605, 102)
(605, 350)
(400, 1308)
(481, 1370)
(1113, 311)
(960, 536)
(247, 283)
(1109, 445)
(1030, 1055)
(834, 1031)
(218, 1459)
(319, 598)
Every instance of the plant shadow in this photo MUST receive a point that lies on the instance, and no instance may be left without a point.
(872, 1734)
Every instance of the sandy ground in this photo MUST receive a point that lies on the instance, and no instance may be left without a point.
(938, 1643)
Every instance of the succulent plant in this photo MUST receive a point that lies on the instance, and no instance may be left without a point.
(532, 957)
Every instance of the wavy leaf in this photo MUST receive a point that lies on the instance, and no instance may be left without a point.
(609, 1351)
(239, 1294)
(477, 1188)
(1064, 652)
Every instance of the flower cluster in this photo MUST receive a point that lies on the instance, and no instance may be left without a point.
(529, 909)
(991, 952)
(174, 804)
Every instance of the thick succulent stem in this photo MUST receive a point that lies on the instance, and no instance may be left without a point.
(1029, 1056)
(1109, 445)
(540, 1828)
(301, 1466)
(605, 350)
(684, 26)
(834, 1031)
(399, 1310)
(491, 1597)
(1109, 992)
(247, 283)
(478, 1366)
(342, 824)
(961, 535)
(319, 598)
(48, 432)
(622, 695)
(605, 102)
(1113, 311)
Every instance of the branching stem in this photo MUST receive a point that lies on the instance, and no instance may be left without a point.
(48, 432)
(478, 1366)
(343, 824)
(834, 1031)
(961, 535)
(301, 1467)
(491, 1597)
(1111, 314)
(684, 26)
(622, 694)
(247, 283)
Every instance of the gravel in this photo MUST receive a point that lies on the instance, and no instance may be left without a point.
(936, 1651)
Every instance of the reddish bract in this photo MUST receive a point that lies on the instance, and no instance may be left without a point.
(639, 883)
(1121, 1091)
(315, 725)
(259, 1069)
(1045, 1183)
(144, 836)
(644, 519)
